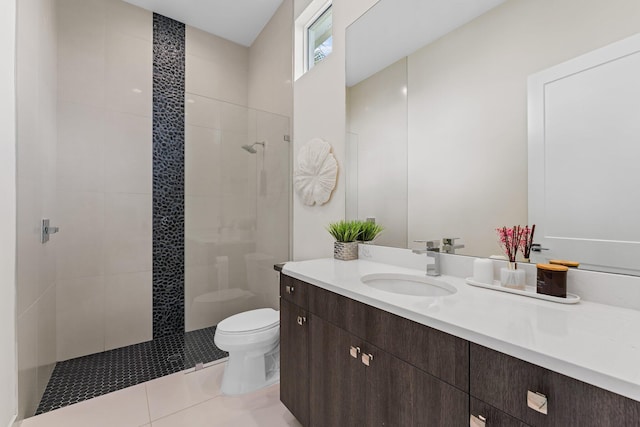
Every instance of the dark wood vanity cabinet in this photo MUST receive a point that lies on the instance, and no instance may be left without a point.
(354, 383)
(358, 377)
(345, 363)
(294, 347)
(504, 383)
(336, 380)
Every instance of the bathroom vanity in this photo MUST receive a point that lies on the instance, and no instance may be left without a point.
(352, 355)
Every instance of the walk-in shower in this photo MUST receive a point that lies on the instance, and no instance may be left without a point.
(166, 226)
(236, 228)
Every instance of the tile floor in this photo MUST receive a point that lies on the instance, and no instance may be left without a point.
(97, 374)
(183, 399)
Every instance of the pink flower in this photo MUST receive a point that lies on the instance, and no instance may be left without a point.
(509, 239)
(515, 238)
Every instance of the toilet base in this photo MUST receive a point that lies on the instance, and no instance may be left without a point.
(248, 371)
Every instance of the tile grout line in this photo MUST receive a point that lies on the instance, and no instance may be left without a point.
(146, 391)
(187, 372)
(188, 407)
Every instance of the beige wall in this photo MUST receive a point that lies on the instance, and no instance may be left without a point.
(8, 375)
(319, 112)
(104, 164)
(468, 111)
(36, 169)
(377, 118)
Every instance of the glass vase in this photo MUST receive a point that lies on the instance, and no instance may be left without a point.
(511, 277)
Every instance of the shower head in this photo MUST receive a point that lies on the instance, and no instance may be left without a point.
(250, 148)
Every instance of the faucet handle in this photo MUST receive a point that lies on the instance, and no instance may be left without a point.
(430, 244)
(449, 240)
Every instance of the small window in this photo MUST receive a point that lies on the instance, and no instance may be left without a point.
(319, 38)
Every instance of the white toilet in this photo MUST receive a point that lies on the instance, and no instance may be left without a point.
(252, 339)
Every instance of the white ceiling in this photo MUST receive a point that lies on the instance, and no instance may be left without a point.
(237, 20)
(393, 29)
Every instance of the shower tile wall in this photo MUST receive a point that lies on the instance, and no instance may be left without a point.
(168, 176)
(36, 170)
(270, 64)
(103, 164)
(236, 230)
(270, 89)
(235, 202)
(217, 176)
(216, 68)
(220, 210)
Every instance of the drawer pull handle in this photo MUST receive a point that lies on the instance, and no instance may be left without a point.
(289, 289)
(367, 358)
(478, 421)
(354, 352)
(301, 320)
(537, 401)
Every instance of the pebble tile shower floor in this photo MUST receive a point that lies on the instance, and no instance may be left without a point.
(90, 376)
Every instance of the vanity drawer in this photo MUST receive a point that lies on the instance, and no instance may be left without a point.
(294, 291)
(341, 311)
(442, 355)
(504, 382)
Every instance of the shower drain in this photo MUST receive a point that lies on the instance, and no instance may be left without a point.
(174, 358)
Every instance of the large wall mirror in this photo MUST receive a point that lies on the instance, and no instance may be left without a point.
(437, 120)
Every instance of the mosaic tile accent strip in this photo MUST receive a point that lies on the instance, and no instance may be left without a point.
(168, 175)
(91, 376)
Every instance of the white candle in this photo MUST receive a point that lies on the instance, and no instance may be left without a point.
(483, 271)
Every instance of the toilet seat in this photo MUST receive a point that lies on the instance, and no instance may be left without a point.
(248, 331)
(249, 322)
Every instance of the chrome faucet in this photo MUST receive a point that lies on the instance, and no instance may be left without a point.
(448, 245)
(432, 250)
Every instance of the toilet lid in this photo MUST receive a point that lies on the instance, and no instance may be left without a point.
(262, 318)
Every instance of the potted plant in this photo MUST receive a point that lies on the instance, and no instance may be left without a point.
(346, 234)
(369, 230)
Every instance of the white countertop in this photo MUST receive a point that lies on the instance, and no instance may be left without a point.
(595, 343)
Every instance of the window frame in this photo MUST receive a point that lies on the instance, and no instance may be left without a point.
(309, 62)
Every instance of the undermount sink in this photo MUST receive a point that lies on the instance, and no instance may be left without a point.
(407, 284)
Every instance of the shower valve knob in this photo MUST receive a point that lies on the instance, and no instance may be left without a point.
(47, 230)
